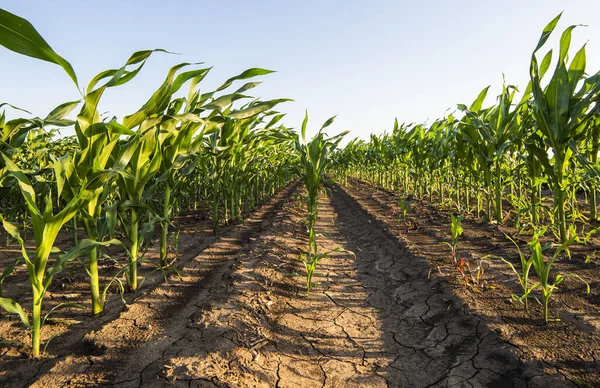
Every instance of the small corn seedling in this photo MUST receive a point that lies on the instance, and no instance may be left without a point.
(543, 267)
(457, 231)
(310, 264)
(404, 206)
(522, 276)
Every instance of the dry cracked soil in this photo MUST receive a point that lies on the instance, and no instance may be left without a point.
(240, 317)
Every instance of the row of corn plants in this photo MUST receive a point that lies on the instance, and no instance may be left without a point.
(314, 160)
(501, 158)
(118, 180)
(531, 160)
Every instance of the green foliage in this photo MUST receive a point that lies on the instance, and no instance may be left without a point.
(121, 177)
(523, 275)
(543, 267)
(314, 159)
(18, 35)
(404, 206)
(457, 230)
(562, 113)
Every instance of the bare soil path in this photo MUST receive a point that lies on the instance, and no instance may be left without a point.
(241, 318)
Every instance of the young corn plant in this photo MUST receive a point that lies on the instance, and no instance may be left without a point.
(457, 231)
(523, 275)
(175, 142)
(404, 206)
(140, 158)
(562, 113)
(489, 131)
(543, 267)
(179, 141)
(46, 226)
(86, 172)
(97, 142)
(89, 164)
(314, 158)
(20, 36)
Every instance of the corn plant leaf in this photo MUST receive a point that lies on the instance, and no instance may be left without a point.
(12, 230)
(14, 107)
(7, 272)
(577, 68)
(24, 185)
(304, 125)
(161, 97)
(81, 249)
(18, 35)
(250, 73)
(121, 76)
(14, 308)
(274, 121)
(186, 76)
(255, 109)
(225, 100)
(476, 105)
(247, 86)
(547, 31)
(328, 122)
(62, 111)
(544, 65)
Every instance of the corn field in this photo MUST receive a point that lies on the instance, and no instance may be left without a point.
(502, 160)
(166, 246)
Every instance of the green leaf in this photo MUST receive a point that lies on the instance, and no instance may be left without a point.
(24, 185)
(121, 76)
(255, 109)
(545, 65)
(565, 43)
(14, 107)
(18, 35)
(7, 272)
(157, 102)
(223, 101)
(62, 111)
(274, 121)
(476, 105)
(304, 124)
(14, 308)
(547, 31)
(577, 68)
(247, 86)
(250, 73)
(82, 248)
(328, 122)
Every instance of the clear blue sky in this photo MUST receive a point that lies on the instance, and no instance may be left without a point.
(366, 61)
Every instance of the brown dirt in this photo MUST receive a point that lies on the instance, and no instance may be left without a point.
(569, 348)
(240, 317)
